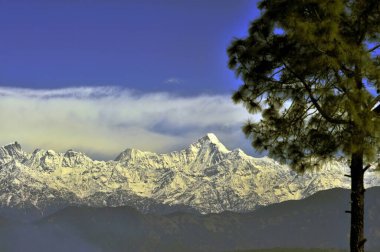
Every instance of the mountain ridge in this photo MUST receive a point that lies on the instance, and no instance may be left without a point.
(205, 176)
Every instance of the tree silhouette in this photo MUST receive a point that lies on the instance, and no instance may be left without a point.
(312, 68)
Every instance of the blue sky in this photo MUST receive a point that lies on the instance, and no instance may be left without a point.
(176, 46)
(100, 76)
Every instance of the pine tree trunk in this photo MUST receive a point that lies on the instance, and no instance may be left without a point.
(357, 239)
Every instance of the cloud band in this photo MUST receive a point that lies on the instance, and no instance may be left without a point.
(103, 121)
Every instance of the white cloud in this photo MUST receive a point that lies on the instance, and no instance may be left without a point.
(173, 80)
(103, 121)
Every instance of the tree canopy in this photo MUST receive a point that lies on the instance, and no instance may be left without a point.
(312, 69)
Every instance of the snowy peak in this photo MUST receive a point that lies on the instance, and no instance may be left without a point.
(45, 160)
(212, 138)
(130, 154)
(13, 147)
(207, 151)
(11, 151)
(210, 141)
(73, 159)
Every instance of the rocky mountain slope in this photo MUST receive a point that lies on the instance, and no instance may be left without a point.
(206, 177)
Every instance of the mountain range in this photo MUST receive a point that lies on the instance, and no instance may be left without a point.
(205, 178)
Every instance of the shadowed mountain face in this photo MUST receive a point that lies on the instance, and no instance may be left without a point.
(317, 221)
(206, 177)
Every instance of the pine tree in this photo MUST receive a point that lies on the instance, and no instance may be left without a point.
(312, 68)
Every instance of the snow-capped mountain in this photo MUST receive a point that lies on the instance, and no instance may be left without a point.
(206, 176)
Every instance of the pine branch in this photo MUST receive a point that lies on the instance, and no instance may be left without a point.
(366, 168)
(374, 48)
(315, 101)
